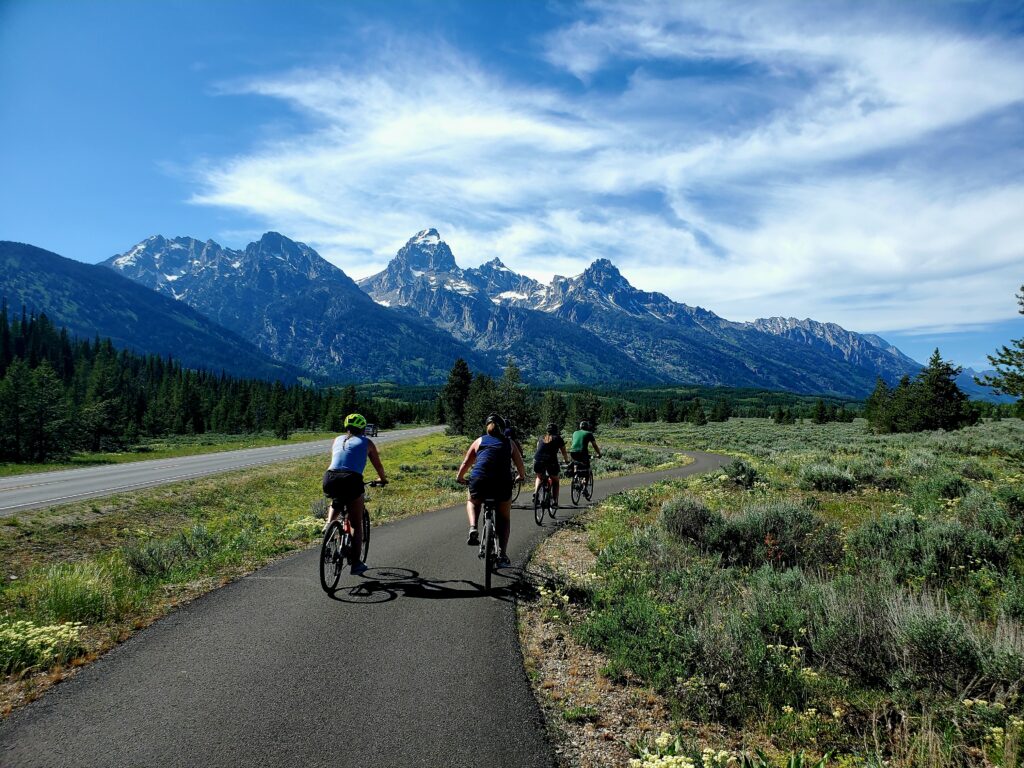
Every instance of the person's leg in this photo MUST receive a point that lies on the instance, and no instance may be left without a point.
(472, 510)
(355, 520)
(536, 484)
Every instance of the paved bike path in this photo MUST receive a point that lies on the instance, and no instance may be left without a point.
(43, 489)
(411, 666)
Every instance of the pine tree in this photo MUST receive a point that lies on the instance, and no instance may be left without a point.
(820, 415)
(455, 395)
(1008, 362)
(586, 406)
(695, 414)
(669, 413)
(481, 401)
(553, 410)
(514, 402)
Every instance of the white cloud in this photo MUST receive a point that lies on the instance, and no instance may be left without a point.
(779, 187)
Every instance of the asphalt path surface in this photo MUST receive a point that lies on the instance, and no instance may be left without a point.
(44, 489)
(410, 665)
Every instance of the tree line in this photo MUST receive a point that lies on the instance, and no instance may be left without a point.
(60, 395)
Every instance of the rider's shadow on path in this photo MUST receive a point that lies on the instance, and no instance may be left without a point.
(385, 583)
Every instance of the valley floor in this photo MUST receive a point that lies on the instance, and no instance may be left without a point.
(830, 592)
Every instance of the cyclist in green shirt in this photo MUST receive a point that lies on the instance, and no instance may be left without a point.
(579, 449)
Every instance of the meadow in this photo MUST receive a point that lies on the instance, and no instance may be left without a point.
(831, 592)
(78, 578)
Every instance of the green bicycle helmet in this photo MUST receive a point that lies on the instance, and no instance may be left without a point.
(356, 420)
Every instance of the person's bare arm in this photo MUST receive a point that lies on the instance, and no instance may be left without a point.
(593, 441)
(467, 462)
(565, 453)
(371, 451)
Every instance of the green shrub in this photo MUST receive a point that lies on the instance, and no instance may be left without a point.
(741, 473)
(782, 534)
(687, 517)
(156, 558)
(827, 477)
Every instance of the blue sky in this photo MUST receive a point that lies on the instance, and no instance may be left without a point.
(853, 162)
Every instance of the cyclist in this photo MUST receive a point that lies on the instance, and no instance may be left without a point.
(579, 450)
(343, 481)
(545, 461)
(490, 456)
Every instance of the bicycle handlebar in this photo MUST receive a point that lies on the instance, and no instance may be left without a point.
(377, 483)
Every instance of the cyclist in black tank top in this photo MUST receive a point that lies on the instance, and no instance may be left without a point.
(489, 457)
(545, 460)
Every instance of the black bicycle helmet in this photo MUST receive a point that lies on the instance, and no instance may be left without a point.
(553, 429)
(495, 418)
(585, 425)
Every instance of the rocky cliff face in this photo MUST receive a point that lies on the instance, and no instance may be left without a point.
(297, 307)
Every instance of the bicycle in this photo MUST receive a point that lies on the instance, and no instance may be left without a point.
(542, 500)
(487, 528)
(582, 482)
(336, 547)
(517, 484)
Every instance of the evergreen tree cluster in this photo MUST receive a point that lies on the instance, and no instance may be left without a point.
(59, 395)
(467, 399)
(931, 401)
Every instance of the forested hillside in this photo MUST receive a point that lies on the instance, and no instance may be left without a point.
(60, 394)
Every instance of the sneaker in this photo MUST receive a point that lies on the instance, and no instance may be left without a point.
(474, 538)
(358, 569)
(503, 561)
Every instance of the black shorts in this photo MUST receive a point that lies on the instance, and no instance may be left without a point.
(550, 468)
(497, 488)
(581, 458)
(343, 486)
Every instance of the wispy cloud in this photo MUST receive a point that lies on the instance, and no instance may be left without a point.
(763, 161)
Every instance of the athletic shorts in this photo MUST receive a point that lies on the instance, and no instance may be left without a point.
(550, 468)
(497, 488)
(582, 458)
(343, 486)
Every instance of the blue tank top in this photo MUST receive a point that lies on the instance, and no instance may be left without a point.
(493, 458)
(349, 453)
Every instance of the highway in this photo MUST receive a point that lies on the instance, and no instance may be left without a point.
(44, 489)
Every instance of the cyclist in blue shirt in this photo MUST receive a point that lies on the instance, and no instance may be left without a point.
(343, 481)
(490, 456)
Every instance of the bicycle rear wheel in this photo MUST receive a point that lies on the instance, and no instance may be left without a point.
(538, 509)
(489, 543)
(551, 504)
(588, 488)
(577, 489)
(332, 556)
(517, 486)
(366, 533)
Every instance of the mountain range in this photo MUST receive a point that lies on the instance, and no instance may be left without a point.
(408, 322)
(277, 309)
(93, 301)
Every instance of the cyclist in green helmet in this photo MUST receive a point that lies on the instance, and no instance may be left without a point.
(343, 481)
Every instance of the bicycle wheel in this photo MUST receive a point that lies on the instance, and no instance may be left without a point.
(577, 489)
(588, 488)
(517, 486)
(332, 556)
(488, 543)
(366, 533)
(538, 509)
(551, 505)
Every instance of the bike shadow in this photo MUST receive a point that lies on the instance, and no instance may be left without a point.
(386, 583)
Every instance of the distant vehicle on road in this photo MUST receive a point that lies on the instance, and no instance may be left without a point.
(371, 430)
